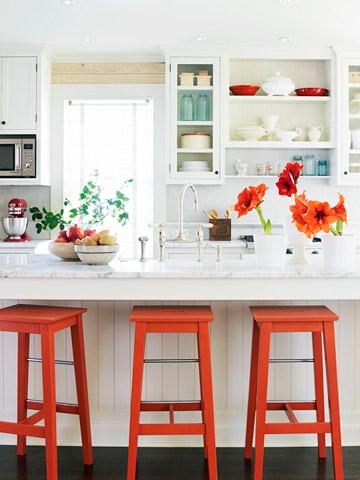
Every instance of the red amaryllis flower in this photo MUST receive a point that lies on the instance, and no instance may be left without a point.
(249, 199)
(299, 210)
(319, 216)
(340, 209)
(288, 179)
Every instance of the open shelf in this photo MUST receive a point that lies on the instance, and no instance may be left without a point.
(354, 85)
(354, 151)
(354, 116)
(278, 144)
(244, 177)
(276, 99)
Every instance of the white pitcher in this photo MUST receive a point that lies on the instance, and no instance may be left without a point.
(314, 133)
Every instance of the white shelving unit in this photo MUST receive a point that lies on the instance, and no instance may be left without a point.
(294, 111)
(279, 145)
(276, 99)
(275, 177)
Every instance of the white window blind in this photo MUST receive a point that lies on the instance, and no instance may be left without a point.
(115, 138)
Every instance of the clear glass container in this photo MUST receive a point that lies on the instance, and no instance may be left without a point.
(299, 159)
(323, 168)
(187, 107)
(309, 165)
(203, 107)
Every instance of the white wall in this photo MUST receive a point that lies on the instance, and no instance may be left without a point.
(109, 343)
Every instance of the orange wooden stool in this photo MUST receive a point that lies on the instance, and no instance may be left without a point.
(46, 321)
(173, 320)
(318, 320)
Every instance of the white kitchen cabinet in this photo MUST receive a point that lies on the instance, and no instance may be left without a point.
(349, 120)
(18, 108)
(207, 126)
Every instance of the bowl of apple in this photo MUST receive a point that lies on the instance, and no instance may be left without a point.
(63, 246)
(100, 248)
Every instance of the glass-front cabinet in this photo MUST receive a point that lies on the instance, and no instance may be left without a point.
(350, 120)
(194, 120)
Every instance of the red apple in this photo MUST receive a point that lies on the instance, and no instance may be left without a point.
(61, 240)
(62, 235)
(88, 232)
(74, 233)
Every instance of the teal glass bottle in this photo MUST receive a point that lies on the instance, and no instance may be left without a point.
(187, 107)
(203, 107)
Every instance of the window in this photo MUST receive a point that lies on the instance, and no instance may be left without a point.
(114, 137)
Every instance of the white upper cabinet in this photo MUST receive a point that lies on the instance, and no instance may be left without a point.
(193, 120)
(18, 107)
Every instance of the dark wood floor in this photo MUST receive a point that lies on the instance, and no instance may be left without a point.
(176, 464)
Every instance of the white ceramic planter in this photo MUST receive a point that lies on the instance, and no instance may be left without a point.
(339, 251)
(270, 250)
(297, 241)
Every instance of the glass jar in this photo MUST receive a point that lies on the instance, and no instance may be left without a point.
(187, 107)
(323, 168)
(309, 165)
(299, 159)
(202, 107)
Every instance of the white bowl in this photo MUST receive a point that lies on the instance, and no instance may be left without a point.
(65, 251)
(251, 132)
(98, 255)
(278, 85)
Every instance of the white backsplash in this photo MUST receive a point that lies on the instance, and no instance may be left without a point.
(38, 196)
(275, 207)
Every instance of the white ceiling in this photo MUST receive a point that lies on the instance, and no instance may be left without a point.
(139, 27)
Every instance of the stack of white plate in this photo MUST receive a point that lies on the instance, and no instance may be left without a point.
(195, 166)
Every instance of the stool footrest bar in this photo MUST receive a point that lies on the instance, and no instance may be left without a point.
(303, 428)
(171, 360)
(293, 405)
(166, 406)
(172, 429)
(34, 419)
(290, 414)
(69, 408)
(291, 360)
(57, 362)
(22, 429)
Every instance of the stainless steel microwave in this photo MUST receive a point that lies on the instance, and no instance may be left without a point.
(17, 156)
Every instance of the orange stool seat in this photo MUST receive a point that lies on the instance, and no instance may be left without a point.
(319, 321)
(46, 321)
(173, 320)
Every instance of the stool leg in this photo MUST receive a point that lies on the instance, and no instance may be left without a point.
(202, 400)
(49, 383)
(333, 394)
(23, 385)
(137, 379)
(77, 338)
(251, 410)
(262, 386)
(208, 401)
(319, 389)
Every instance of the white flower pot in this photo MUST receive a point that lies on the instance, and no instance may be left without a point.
(297, 241)
(270, 250)
(339, 251)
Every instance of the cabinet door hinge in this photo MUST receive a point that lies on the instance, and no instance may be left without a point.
(169, 167)
(36, 67)
(169, 67)
(36, 117)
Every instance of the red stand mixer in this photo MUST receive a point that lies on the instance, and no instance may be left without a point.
(15, 224)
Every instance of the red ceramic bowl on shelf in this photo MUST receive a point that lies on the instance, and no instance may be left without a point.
(311, 92)
(244, 89)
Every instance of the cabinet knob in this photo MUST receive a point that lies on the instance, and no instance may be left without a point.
(3, 122)
(345, 173)
(216, 172)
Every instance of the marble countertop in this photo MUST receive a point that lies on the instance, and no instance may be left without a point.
(49, 267)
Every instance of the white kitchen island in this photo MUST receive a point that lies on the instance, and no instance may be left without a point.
(230, 287)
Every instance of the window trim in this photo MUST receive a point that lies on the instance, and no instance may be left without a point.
(61, 93)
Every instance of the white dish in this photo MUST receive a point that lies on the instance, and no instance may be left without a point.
(251, 132)
(278, 85)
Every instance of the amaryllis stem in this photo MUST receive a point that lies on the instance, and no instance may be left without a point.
(262, 219)
(334, 231)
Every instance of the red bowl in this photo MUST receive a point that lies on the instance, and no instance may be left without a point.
(244, 89)
(312, 92)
